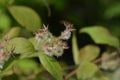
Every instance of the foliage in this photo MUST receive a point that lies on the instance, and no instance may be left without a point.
(30, 50)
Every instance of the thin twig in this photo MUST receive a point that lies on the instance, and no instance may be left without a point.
(70, 74)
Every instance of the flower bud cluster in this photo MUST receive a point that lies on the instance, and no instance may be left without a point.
(53, 46)
(4, 54)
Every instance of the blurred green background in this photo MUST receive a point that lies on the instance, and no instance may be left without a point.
(79, 12)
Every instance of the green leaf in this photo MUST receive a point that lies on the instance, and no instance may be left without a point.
(5, 21)
(34, 42)
(21, 45)
(26, 16)
(88, 53)
(101, 35)
(89, 71)
(86, 70)
(14, 32)
(21, 67)
(52, 66)
(75, 49)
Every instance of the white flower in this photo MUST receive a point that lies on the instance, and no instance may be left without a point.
(1, 66)
(53, 46)
(65, 35)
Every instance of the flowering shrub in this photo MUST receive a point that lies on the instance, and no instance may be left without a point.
(45, 43)
(39, 56)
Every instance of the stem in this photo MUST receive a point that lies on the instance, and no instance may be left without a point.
(70, 74)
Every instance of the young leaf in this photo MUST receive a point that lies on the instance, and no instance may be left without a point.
(88, 53)
(75, 49)
(89, 71)
(5, 21)
(86, 70)
(14, 32)
(21, 45)
(26, 16)
(101, 36)
(51, 65)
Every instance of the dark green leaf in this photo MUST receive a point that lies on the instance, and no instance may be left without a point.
(112, 11)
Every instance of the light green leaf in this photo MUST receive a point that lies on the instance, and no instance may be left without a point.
(101, 35)
(5, 21)
(52, 66)
(26, 16)
(21, 67)
(75, 49)
(86, 70)
(14, 32)
(34, 42)
(89, 71)
(21, 45)
(88, 53)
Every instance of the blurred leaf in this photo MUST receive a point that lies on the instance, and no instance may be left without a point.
(5, 21)
(110, 61)
(88, 53)
(86, 70)
(3, 3)
(21, 45)
(51, 65)
(112, 11)
(75, 49)
(116, 75)
(101, 35)
(33, 41)
(14, 32)
(26, 16)
(31, 67)
(89, 71)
